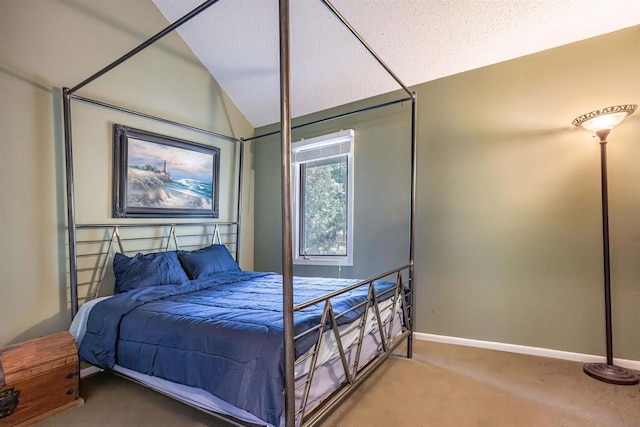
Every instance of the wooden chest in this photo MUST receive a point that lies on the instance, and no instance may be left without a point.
(41, 376)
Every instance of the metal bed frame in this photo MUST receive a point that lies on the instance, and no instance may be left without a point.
(95, 244)
(355, 375)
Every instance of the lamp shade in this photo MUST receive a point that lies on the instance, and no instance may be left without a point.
(606, 118)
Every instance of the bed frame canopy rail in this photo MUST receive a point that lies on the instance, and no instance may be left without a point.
(404, 293)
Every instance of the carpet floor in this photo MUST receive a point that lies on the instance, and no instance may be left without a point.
(442, 386)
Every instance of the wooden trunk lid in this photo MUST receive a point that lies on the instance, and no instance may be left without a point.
(37, 356)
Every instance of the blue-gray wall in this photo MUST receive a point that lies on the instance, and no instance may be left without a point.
(381, 194)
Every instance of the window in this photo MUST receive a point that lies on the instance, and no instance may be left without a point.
(323, 199)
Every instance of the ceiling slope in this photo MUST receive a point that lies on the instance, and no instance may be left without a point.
(421, 40)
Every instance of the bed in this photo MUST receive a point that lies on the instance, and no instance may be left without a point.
(250, 347)
(195, 326)
(223, 334)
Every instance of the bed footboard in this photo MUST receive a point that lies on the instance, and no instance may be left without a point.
(353, 370)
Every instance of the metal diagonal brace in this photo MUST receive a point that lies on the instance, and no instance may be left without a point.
(380, 328)
(216, 233)
(172, 233)
(363, 323)
(336, 332)
(396, 292)
(314, 361)
(116, 234)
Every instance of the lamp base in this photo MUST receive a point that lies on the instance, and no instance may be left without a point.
(610, 374)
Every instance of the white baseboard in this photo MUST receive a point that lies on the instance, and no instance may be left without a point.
(489, 345)
(91, 370)
(523, 349)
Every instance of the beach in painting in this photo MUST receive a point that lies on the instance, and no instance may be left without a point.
(147, 189)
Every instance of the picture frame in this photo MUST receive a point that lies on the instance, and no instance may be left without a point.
(157, 176)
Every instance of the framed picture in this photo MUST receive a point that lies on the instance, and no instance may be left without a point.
(160, 176)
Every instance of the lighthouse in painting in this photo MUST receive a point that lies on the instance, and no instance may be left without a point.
(166, 177)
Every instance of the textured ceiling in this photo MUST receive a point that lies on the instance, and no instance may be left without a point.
(421, 40)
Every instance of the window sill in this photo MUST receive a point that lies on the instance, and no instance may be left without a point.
(341, 262)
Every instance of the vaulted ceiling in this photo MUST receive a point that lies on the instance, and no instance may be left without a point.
(421, 40)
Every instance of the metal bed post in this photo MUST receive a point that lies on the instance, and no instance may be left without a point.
(239, 201)
(71, 214)
(414, 144)
(287, 254)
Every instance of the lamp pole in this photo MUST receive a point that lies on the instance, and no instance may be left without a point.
(605, 242)
(607, 372)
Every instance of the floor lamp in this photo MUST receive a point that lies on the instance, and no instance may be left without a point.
(601, 122)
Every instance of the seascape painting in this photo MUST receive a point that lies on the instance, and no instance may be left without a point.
(162, 176)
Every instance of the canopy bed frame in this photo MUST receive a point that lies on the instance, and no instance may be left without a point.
(404, 291)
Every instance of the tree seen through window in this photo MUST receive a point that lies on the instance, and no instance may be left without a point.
(323, 225)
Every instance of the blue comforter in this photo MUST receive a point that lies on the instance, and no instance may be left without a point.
(222, 334)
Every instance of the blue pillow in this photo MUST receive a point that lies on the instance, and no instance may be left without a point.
(158, 268)
(207, 261)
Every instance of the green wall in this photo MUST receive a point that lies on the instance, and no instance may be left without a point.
(508, 221)
(49, 44)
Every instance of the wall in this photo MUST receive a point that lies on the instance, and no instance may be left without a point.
(508, 221)
(381, 213)
(45, 45)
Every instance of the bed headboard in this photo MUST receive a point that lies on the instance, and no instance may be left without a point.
(97, 243)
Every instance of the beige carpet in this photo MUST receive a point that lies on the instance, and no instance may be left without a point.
(441, 386)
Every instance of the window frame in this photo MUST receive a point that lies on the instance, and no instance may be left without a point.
(342, 138)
